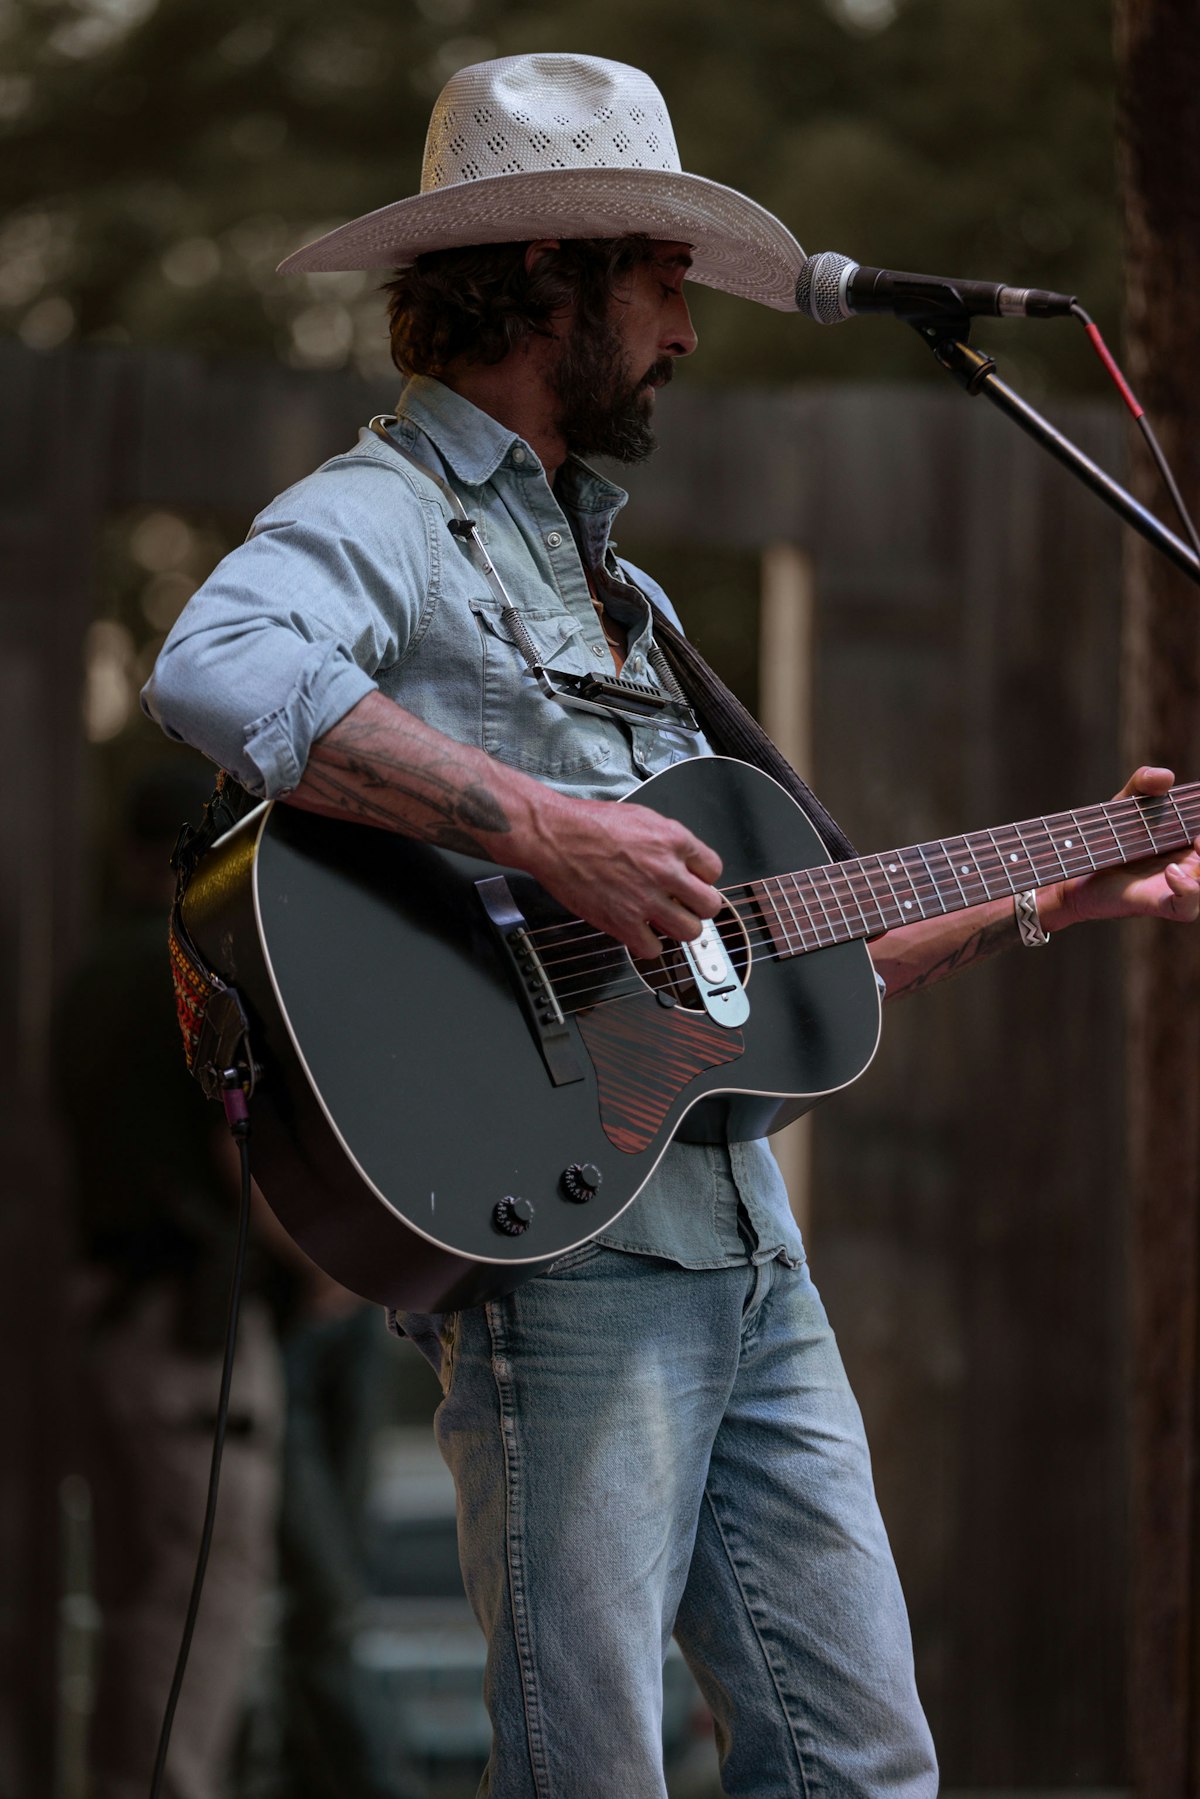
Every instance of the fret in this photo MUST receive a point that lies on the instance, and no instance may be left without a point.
(969, 844)
(1048, 832)
(1083, 840)
(1016, 877)
(783, 893)
(1106, 815)
(825, 921)
(912, 885)
(842, 870)
(841, 927)
(1038, 875)
(803, 892)
(1140, 816)
(948, 859)
(1190, 794)
(773, 918)
(937, 892)
(966, 874)
(883, 869)
(1183, 825)
(1156, 805)
(1005, 875)
(861, 868)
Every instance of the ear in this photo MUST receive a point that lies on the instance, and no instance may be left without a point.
(539, 248)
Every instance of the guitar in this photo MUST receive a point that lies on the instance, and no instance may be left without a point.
(459, 1083)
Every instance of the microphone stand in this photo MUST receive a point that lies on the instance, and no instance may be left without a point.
(946, 335)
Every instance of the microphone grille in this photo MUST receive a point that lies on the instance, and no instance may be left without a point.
(819, 287)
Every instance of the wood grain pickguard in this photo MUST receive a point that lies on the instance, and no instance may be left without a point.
(644, 1055)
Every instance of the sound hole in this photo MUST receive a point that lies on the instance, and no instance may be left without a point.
(670, 974)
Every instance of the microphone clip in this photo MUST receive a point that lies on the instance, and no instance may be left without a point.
(947, 337)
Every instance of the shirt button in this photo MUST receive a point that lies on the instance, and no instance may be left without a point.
(518, 455)
(598, 649)
(553, 539)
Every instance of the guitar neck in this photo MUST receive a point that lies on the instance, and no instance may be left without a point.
(841, 901)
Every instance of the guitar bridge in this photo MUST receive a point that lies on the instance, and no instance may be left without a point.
(539, 1002)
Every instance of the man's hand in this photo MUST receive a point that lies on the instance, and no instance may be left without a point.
(626, 870)
(917, 955)
(1161, 887)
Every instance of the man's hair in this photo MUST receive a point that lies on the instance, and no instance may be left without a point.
(481, 302)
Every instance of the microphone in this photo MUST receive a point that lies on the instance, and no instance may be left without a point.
(832, 287)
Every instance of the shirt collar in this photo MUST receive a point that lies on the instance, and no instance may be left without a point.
(471, 441)
(474, 444)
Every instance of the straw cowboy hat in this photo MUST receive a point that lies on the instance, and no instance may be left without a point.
(564, 146)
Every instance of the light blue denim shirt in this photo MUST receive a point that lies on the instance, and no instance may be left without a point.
(351, 581)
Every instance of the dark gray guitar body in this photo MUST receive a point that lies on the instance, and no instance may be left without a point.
(404, 1091)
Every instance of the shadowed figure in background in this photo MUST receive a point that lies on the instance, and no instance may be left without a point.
(155, 1201)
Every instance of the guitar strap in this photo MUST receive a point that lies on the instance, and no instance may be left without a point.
(733, 731)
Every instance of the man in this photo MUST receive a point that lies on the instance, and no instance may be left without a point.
(656, 1435)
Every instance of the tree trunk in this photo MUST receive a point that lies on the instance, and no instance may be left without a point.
(1158, 48)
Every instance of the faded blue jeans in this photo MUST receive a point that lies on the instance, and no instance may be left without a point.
(641, 1449)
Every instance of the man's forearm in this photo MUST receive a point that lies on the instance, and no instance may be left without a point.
(626, 869)
(919, 955)
(383, 766)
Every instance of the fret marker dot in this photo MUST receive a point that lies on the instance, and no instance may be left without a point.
(891, 868)
(963, 870)
(1013, 857)
(908, 905)
(1069, 843)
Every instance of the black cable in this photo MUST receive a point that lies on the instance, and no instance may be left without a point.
(238, 1116)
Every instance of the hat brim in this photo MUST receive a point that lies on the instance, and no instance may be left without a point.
(737, 245)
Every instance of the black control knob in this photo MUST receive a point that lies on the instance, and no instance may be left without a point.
(580, 1181)
(511, 1215)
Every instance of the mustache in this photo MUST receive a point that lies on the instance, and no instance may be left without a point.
(659, 373)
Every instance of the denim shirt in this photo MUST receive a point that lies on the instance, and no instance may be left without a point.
(351, 581)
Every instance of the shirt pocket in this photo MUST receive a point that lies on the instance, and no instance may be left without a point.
(522, 726)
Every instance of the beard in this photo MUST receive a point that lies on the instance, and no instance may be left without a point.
(604, 409)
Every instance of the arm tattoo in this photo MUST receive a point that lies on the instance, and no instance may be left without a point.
(987, 941)
(364, 773)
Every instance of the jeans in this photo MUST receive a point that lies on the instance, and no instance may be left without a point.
(641, 1450)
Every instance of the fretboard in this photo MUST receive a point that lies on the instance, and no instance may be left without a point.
(840, 901)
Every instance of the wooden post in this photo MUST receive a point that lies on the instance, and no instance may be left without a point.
(1159, 55)
(785, 713)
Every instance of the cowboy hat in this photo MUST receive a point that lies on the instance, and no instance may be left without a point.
(556, 145)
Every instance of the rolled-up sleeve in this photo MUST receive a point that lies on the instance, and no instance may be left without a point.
(290, 630)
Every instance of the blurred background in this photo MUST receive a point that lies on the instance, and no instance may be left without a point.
(925, 613)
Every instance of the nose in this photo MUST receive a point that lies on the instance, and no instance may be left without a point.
(679, 337)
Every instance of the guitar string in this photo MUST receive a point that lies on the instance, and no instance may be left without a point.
(674, 964)
(922, 882)
(803, 933)
(588, 997)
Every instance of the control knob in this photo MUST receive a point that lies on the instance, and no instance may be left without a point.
(511, 1215)
(580, 1181)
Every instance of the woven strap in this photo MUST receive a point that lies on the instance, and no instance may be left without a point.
(196, 984)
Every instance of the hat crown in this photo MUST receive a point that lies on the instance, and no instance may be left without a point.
(519, 114)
